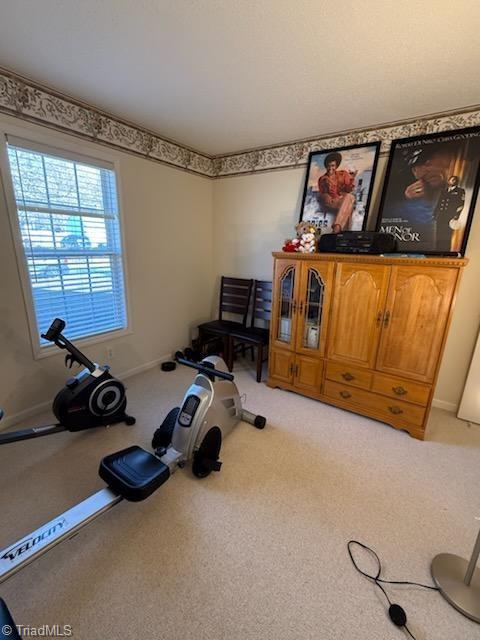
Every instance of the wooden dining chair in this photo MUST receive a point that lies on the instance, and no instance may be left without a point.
(235, 294)
(255, 336)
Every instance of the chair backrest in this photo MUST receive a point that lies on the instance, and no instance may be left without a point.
(235, 297)
(262, 301)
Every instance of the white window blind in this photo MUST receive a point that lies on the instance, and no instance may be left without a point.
(67, 213)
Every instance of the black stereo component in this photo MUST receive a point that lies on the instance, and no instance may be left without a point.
(357, 242)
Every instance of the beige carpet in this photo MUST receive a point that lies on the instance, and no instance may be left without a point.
(257, 552)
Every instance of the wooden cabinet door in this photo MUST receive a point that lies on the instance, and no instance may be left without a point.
(314, 295)
(416, 316)
(308, 373)
(357, 310)
(286, 282)
(281, 365)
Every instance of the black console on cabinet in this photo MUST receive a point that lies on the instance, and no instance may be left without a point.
(371, 242)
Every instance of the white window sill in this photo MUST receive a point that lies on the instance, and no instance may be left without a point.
(52, 350)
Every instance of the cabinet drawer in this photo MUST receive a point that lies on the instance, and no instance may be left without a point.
(393, 410)
(401, 389)
(349, 375)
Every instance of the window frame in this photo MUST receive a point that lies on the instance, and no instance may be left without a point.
(63, 146)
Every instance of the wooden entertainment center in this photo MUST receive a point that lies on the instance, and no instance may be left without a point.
(365, 333)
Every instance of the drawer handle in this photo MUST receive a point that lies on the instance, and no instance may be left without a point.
(345, 394)
(348, 376)
(395, 410)
(400, 391)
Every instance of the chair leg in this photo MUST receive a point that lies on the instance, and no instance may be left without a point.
(225, 353)
(229, 349)
(201, 341)
(226, 350)
(259, 362)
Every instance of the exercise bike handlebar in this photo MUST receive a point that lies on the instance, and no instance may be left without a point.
(54, 334)
(201, 368)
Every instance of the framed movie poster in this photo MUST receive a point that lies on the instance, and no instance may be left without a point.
(430, 191)
(338, 187)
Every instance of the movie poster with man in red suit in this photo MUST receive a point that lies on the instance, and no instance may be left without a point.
(338, 187)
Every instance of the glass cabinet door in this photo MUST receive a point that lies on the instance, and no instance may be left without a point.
(313, 310)
(314, 306)
(286, 306)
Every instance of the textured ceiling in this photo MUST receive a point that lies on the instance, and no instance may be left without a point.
(225, 76)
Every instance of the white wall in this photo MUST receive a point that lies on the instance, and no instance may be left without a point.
(470, 405)
(252, 216)
(174, 263)
(167, 223)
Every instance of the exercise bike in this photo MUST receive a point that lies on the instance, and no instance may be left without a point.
(190, 434)
(92, 398)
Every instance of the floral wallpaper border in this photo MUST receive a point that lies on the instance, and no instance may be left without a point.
(295, 154)
(26, 99)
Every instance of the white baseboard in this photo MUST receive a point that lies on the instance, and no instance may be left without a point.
(446, 406)
(143, 367)
(14, 418)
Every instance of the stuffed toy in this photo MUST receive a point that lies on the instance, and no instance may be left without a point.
(305, 240)
(291, 246)
(307, 243)
(304, 227)
(306, 234)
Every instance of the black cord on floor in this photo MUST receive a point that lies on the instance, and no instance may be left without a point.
(396, 613)
(409, 632)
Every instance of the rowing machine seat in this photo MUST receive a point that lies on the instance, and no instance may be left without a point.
(133, 473)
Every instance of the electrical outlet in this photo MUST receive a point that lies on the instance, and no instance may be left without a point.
(109, 353)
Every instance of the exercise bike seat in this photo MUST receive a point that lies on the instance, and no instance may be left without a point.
(133, 473)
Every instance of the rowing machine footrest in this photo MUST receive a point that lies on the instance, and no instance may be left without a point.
(133, 473)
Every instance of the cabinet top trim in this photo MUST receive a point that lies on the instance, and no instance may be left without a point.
(372, 259)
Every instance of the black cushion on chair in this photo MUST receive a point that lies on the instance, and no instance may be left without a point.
(133, 472)
(257, 335)
(220, 327)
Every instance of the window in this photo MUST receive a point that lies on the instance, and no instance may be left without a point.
(68, 221)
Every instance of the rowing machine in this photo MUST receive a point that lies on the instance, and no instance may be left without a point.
(211, 408)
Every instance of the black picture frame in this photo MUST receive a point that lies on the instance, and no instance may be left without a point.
(423, 224)
(321, 215)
